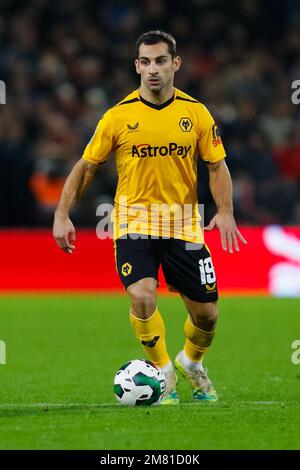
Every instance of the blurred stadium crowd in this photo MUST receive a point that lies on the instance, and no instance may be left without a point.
(65, 62)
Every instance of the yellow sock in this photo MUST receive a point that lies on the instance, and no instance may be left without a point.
(197, 341)
(151, 333)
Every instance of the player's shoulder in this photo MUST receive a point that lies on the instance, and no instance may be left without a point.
(111, 117)
(184, 98)
(130, 99)
(117, 110)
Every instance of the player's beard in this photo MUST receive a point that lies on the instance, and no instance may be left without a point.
(155, 89)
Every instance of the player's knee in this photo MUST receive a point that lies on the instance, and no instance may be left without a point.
(143, 301)
(205, 316)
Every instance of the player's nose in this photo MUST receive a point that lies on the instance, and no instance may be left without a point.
(152, 68)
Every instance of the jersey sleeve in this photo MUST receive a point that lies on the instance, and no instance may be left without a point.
(210, 144)
(102, 142)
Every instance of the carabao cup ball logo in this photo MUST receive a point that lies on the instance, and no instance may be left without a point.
(139, 382)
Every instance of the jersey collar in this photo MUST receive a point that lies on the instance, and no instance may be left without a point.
(157, 106)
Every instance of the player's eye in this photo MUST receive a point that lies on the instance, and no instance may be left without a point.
(161, 61)
(144, 62)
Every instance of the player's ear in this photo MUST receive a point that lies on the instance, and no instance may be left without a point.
(177, 63)
(137, 66)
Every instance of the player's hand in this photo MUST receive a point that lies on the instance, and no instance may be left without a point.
(229, 232)
(64, 233)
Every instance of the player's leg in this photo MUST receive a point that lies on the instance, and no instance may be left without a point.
(149, 328)
(199, 330)
(137, 265)
(147, 321)
(191, 273)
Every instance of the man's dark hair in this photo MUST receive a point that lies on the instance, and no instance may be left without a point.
(155, 37)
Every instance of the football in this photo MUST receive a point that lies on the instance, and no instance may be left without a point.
(139, 382)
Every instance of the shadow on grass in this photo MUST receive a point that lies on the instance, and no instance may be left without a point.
(12, 411)
(44, 409)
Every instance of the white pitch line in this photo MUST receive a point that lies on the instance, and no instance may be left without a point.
(261, 403)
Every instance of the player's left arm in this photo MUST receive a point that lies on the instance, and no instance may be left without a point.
(221, 188)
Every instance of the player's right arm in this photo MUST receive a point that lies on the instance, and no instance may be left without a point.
(74, 189)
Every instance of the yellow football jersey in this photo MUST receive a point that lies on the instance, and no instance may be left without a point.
(156, 149)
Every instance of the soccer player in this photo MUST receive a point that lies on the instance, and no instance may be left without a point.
(156, 133)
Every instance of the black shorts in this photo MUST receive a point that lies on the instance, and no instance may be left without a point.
(188, 271)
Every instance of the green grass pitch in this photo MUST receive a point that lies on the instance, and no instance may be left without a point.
(63, 351)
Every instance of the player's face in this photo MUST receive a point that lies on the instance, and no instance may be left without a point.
(156, 66)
